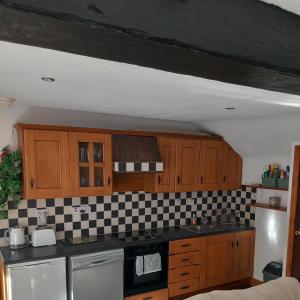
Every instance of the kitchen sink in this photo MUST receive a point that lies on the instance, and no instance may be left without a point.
(210, 227)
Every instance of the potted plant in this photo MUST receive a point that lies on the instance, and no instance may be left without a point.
(10, 179)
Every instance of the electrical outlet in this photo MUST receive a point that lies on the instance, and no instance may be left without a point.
(41, 212)
(177, 201)
(84, 209)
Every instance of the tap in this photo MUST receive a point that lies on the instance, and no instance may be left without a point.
(204, 219)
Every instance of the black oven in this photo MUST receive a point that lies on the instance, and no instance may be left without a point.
(134, 284)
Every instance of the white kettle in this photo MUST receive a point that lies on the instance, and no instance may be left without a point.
(15, 237)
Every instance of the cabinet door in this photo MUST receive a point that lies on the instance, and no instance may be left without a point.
(218, 260)
(210, 165)
(46, 164)
(244, 263)
(166, 179)
(187, 164)
(91, 163)
(231, 168)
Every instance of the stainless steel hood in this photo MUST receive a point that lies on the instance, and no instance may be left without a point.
(135, 154)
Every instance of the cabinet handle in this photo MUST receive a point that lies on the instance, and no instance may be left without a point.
(185, 287)
(232, 244)
(185, 245)
(148, 298)
(185, 259)
(184, 274)
(237, 243)
(224, 178)
(178, 179)
(201, 179)
(32, 183)
(109, 180)
(158, 179)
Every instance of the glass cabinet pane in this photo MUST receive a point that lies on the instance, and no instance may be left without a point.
(84, 176)
(83, 152)
(98, 176)
(98, 152)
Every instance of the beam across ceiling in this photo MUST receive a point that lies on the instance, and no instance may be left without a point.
(244, 42)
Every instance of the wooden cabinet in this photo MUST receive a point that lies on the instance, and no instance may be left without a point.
(184, 270)
(166, 179)
(45, 164)
(91, 163)
(187, 164)
(210, 165)
(244, 255)
(231, 168)
(227, 258)
(155, 295)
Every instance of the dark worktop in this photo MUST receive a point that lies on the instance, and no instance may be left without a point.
(107, 243)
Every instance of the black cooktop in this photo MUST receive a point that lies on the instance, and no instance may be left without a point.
(144, 235)
(84, 240)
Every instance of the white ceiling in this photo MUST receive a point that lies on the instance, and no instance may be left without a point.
(95, 85)
(290, 5)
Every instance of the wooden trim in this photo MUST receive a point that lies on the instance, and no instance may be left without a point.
(262, 205)
(259, 186)
(255, 282)
(112, 131)
(293, 207)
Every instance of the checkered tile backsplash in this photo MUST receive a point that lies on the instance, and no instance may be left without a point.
(130, 211)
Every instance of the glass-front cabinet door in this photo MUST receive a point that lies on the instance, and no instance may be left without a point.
(91, 163)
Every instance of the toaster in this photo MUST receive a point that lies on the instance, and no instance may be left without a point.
(43, 236)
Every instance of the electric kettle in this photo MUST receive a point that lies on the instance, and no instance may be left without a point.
(15, 237)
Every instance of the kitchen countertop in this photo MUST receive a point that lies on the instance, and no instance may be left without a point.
(30, 254)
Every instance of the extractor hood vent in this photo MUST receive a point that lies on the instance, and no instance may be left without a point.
(133, 153)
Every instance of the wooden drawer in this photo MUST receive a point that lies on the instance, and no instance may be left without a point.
(184, 260)
(155, 295)
(184, 273)
(184, 287)
(186, 245)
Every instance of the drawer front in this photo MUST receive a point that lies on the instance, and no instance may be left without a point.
(184, 273)
(184, 260)
(184, 287)
(155, 295)
(186, 245)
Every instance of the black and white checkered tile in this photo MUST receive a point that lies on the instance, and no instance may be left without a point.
(130, 211)
(138, 167)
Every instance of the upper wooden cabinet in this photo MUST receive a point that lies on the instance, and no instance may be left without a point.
(231, 168)
(187, 164)
(210, 165)
(166, 179)
(91, 163)
(45, 164)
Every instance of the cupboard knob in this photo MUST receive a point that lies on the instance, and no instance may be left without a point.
(201, 180)
(224, 178)
(32, 183)
(178, 180)
(159, 179)
(109, 180)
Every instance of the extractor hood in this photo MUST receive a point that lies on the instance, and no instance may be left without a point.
(136, 154)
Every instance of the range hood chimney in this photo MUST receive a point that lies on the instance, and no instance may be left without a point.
(136, 154)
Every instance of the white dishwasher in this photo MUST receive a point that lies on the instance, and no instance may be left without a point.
(39, 280)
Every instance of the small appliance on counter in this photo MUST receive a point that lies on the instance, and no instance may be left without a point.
(15, 237)
(43, 236)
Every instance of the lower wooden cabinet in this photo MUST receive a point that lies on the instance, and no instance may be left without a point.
(155, 295)
(227, 258)
(184, 287)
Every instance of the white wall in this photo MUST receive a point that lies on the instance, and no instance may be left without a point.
(29, 114)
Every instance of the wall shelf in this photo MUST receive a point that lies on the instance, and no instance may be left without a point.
(259, 186)
(267, 206)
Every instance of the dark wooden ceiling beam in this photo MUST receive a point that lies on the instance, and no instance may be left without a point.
(234, 41)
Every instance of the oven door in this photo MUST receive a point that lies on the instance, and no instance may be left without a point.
(134, 284)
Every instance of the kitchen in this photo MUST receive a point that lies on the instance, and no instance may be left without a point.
(128, 172)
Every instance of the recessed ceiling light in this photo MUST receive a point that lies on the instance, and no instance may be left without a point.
(48, 79)
(230, 108)
(6, 101)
